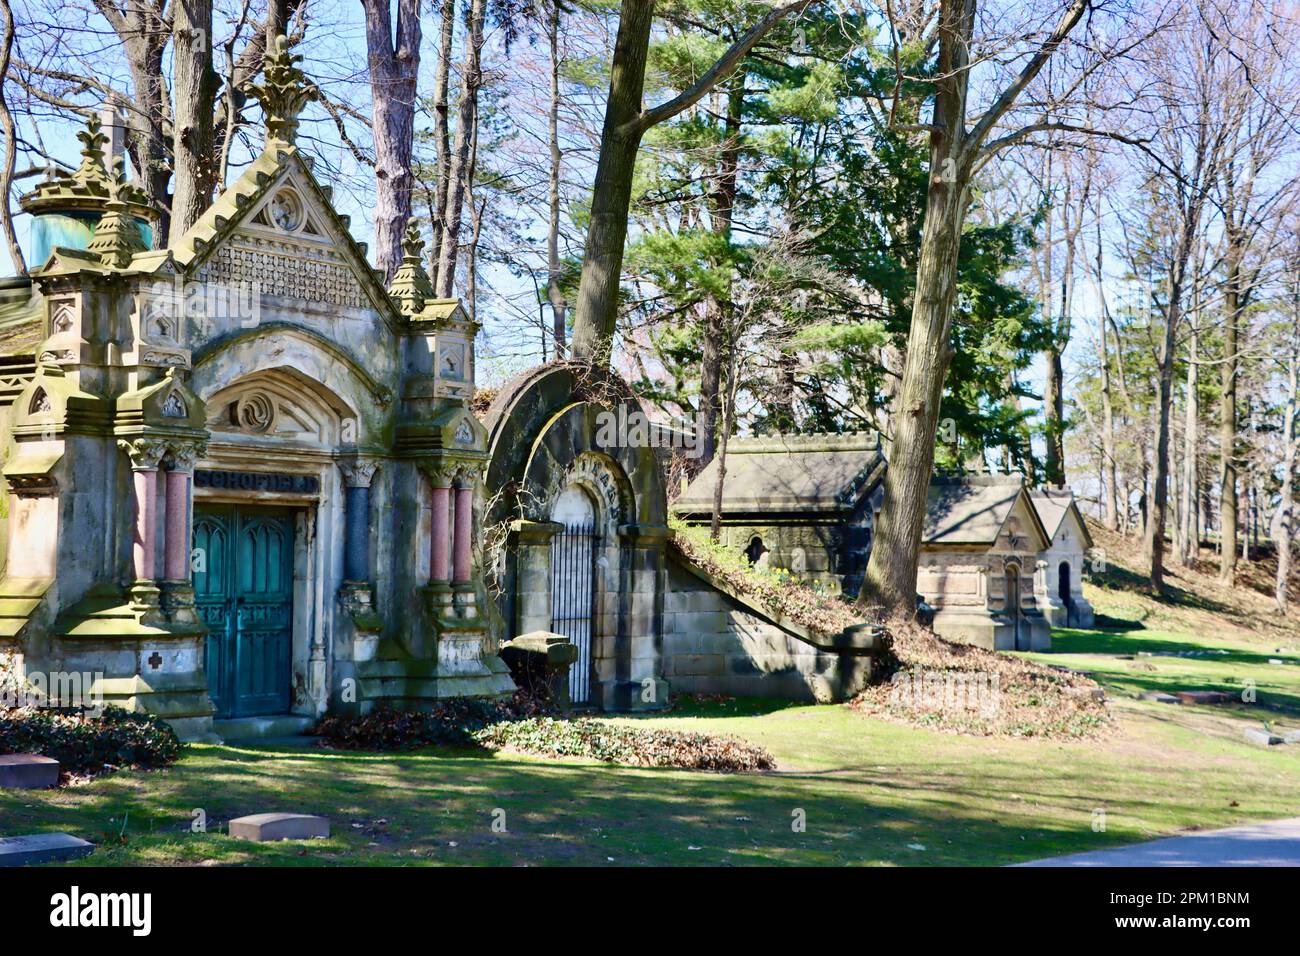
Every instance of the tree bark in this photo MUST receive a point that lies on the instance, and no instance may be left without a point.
(194, 89)
(459, 173)
(717, 312)
(596, 314)
(442, 128)
(144, 33)
(1188, 539)
(553, 291)
(1228, 503)
(1284, 523)
(394, 60)
(11, 144)
(611, 198)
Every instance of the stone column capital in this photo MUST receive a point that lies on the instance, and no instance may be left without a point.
(145, 453)
(358, 472)
(181, 455)
(440, 475)
(466, 476)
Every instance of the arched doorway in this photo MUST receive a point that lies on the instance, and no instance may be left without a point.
(572, 582)
(1063, 588)
(1013, 603)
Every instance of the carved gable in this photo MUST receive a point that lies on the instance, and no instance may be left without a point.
(283, 247)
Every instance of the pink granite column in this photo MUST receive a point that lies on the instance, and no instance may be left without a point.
(176, 557)
(464, 522)
(146, 522)
(440, 536)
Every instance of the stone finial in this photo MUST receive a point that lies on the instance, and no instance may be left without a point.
(92, 169)
(283, 92)
(411, 287)
(89, 185)
(116, 237)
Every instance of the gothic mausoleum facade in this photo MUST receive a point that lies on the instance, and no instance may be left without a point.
(243, 485)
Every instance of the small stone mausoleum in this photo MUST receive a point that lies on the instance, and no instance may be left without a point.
(1059, 582)
(804, 504)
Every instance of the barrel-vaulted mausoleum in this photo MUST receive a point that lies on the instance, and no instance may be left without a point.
(581, 528)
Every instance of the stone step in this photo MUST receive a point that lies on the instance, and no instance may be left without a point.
(268, 827)
(254, 728)
(42, 848)
(28, 771)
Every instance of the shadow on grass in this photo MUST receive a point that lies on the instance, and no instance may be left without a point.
(686, 705)
(1073, 641)
(439, 809)
(1120, 579)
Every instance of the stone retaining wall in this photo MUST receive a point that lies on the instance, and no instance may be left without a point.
(715, 644)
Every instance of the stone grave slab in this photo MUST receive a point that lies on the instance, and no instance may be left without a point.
(1261, 737)
(42, 848)
(28, 771)
(268, 827)
(1205, 696)
(1159, 697)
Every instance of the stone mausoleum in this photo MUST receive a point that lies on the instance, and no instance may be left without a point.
(999, 564)
(242, 482)
(805, 504)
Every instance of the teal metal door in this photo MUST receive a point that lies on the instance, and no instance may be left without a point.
(243, 586)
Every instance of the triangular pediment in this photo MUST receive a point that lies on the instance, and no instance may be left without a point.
(275, 226)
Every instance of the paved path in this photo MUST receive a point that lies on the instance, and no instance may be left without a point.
(1262, 844)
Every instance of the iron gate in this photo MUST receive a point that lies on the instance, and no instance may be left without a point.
(572, 577)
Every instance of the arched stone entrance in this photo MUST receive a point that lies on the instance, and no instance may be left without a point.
(545, 447)
(573, 592)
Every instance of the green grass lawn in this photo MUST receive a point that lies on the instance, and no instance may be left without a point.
(870, 792)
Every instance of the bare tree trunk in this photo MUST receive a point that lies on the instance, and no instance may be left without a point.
(728, 418)
(1228, 417)
(553, 291)
(194, 89)
(458, 176)
(11, 144)
(1284, 523)
(394, 61)
(717, 311)
(596, 314)
(442, 127)
(1188, 543)
(955, 149)
(1155, 529)
(144, 33)
(611, 197)
(1110, 477)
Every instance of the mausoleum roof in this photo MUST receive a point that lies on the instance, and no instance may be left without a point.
(971, 509)
(22, 317)
(820, 473)
(1052, 505)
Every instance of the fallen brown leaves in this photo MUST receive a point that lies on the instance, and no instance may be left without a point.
(958, 688)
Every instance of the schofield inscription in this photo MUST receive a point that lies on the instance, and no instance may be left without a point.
(256, 481)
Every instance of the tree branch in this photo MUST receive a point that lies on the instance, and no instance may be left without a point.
(720, 70)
